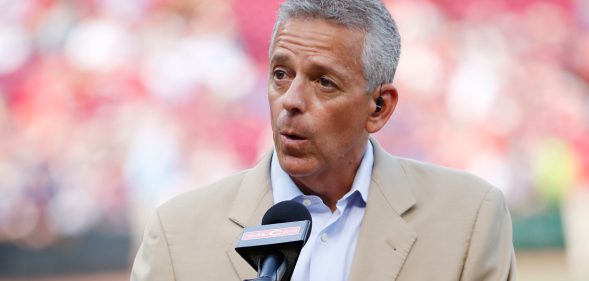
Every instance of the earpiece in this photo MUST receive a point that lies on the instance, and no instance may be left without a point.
(379, 102)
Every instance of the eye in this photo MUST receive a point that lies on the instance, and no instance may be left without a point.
(279, 74)
(325, 82)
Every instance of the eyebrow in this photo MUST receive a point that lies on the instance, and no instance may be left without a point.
(279, 58)
(316, 66)
(325, 67)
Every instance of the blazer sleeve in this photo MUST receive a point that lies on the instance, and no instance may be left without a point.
(153, 260)
(490, 254)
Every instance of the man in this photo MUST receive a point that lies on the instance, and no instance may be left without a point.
(375, 216)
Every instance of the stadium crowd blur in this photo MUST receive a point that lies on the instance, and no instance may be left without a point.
(108, 107)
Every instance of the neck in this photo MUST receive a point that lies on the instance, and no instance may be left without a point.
(332, 184)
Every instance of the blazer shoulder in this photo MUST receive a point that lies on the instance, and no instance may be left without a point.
(431, 179)
(211, 197)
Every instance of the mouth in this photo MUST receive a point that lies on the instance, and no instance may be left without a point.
(292, 143)
(292, 136)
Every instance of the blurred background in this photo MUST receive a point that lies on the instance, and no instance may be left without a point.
(108, 108)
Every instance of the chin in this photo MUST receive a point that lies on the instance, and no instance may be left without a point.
(297, 167)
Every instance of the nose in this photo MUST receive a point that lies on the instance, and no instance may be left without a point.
(294, 99)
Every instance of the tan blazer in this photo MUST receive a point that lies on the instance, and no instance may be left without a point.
(422, 222)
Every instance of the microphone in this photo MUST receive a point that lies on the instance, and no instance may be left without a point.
(273, 248)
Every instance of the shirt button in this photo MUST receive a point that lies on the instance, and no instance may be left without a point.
(324, 237)
(307, 202)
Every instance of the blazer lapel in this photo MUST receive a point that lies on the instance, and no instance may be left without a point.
(385, 237)
(253, 199)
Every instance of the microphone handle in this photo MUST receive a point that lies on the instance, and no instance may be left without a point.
(272, 267)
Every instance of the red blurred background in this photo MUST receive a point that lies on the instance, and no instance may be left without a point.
(108, 108)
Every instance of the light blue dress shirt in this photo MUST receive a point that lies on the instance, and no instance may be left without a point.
(330, 249)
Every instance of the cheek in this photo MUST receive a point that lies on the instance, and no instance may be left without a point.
(339, 127)
(274, 109)
(350, 119)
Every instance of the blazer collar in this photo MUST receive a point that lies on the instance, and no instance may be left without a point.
(253, 199)
(255, 188)
(385, 238)
(254, 196)
(390, 177)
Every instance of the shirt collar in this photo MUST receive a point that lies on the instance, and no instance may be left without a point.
(283, 187)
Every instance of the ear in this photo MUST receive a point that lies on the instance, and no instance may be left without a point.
(378, 119)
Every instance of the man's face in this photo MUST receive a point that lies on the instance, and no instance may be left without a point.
(317, 97)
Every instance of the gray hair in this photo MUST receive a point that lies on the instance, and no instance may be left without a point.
(382, 42)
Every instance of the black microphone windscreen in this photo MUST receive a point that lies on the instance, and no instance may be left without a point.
(285, 229)
(286, 211)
